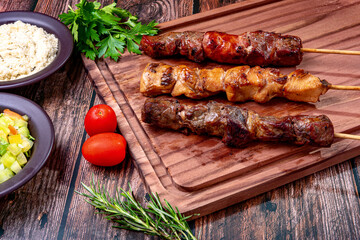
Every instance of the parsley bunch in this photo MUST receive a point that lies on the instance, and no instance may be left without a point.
(105, 31)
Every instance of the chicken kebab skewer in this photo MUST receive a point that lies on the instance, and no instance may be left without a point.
(257, 48)
(238, 126)
(240, 83)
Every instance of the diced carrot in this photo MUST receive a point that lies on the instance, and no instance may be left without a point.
(12, 115)
(13, 131)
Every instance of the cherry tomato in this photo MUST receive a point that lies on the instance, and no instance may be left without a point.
(105, 149)
(100, 118)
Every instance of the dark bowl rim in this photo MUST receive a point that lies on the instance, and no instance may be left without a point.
(38, 118)
(51, 25)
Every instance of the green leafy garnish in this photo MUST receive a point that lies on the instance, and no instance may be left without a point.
(158, 220)
(3, 146)
(31, 138)
(106, 31)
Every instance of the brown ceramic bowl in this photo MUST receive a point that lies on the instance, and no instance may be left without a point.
(51, 25)
(41, 128)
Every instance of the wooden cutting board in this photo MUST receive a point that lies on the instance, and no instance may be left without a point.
(199, 174)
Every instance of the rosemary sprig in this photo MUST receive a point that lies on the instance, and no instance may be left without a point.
(156, 219)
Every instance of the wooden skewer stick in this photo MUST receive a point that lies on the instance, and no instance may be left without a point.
(331, 51)
(347, 136)
(342, 87)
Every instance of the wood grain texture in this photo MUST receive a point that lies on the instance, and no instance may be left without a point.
(17, 5)
(161, 10)
(199, 173)
(211, 4)
(324, 205)
(35, 210)
(57, 96)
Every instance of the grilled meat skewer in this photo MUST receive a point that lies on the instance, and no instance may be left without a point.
(188, 44)
(258, 48)
(240, 84)
(237, 126)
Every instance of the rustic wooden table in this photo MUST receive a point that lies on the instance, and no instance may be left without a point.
(324, 205)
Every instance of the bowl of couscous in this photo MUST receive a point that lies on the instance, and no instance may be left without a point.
(33, 46)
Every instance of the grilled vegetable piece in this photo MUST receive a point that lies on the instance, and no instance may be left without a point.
(240, 84)
(257, 48)
(237, 126)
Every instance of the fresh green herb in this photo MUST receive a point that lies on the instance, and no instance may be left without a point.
(156, 219)
(31, 138)
(3, 146)
(28, 153)
(105, 31)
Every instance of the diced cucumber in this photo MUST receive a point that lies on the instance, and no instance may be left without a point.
(15, 167)
(24, 131)
(3, 137)
(8, 159)
(6, 121)
(20, 123)
(26, 144)
(14, 149)
(5, 174)
(4, 129)
(21, 159)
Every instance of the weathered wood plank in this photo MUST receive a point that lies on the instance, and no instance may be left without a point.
(299, 210)
(324, 205)
(133, 96)
(125, 173)
(15, 5)
(190, 160)
(160, 10)
(207, 5)
(35, 210)
(42, 200)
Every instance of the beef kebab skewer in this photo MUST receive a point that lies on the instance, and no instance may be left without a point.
(257, 48)
(238, 126)
(240, 83)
